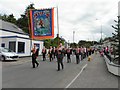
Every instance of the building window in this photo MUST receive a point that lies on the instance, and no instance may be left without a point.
(21, 47)
(3, 45)
(12, 46)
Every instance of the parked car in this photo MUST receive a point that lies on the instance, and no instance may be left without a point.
(7, 54)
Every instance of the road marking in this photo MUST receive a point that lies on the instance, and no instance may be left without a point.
(76, 76)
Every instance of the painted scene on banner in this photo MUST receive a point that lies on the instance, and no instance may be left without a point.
(42, 24)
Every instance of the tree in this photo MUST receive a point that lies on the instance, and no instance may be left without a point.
(47, 43)
(116, 38)
(73, 45)
(53, 42)
(8, 18)
(24, 20)
(23, 23)
(11, 19)
(86, 43)
(3, 17)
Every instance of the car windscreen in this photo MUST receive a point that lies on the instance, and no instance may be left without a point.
(5, 50)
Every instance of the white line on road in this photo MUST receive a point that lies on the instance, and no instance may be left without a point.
(76, 76)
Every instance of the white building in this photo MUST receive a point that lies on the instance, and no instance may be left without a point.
(15, 39)
(107, 43)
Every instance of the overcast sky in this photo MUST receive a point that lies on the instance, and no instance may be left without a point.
(86, 17)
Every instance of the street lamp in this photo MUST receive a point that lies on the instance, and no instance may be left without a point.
(100, 31)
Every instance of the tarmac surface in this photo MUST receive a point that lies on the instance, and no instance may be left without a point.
(86, 74)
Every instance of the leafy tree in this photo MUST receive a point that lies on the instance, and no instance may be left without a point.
(3, 17)
(86, 43)
(11, 19)
(23, 23)
(53, 42)
(24, 20)
(8, 18)
(73, 45)
(47, 43)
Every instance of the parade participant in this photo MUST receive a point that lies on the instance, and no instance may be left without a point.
(84, 52)
(77, 53)
(44, 53)
(90, 51)
(37, 53)
(54, 52)
(64, 52)
(60, 56)
(95, 50)
(68, 55)
(81, 53)
(34, 56)
(60, 60)
(60, 47)
(107, 50)
(73, 50)
(50, 52)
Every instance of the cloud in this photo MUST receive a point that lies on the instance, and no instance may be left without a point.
(74, 15)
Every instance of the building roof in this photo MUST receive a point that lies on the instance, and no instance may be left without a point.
(10, 27)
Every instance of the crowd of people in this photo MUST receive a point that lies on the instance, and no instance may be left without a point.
(60, 52)
(107, 50)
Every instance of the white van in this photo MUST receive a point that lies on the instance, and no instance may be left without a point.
(6, 54)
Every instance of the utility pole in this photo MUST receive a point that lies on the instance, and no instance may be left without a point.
(101, 34)
(73, 36)
(68, 43)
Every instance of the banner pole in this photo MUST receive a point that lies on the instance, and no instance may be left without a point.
(58, 26)
(29, 25)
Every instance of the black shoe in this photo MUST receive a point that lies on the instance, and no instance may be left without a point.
(37, 65)
(58, 70)
(33, 67)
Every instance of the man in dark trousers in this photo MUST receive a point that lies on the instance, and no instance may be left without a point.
(34, 56)
(77, 53)
(60, 56)
(54, 52)
(68, 55)
(60, 59)
(50, 53)
(44, 53)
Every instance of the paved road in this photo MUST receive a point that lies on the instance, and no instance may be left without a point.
(21, 74)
